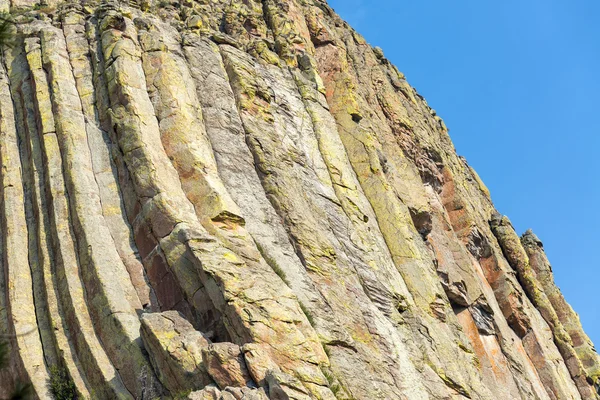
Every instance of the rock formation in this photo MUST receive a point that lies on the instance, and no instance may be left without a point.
(242, 199)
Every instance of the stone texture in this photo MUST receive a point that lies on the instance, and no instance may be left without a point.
(210, 392)
(175, 349)
(230, 393)
(568, 318)
(226, 365)
(245, 200)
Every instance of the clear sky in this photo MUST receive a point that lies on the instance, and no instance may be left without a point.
(517, 82)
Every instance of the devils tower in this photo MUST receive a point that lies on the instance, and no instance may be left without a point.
(242, 199)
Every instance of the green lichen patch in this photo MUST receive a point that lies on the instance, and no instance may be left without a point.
(60, 384)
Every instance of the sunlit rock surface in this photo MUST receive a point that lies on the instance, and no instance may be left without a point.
(245, 200)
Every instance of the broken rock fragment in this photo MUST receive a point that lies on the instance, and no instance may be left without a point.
(175, 349)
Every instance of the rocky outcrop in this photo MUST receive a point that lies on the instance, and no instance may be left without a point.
(583, 346)
(175, 351)
(245, 200)
(212, 393)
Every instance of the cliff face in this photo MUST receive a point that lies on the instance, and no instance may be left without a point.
(245, 200)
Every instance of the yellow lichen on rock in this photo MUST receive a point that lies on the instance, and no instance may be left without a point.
(245, 200)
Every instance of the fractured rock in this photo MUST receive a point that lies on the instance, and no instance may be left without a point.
(211, 392)
(175, 349)
(246, 200)
(225, 363)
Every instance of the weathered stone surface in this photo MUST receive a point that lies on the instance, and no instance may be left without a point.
(568, 318)
(175, 349)
(230, 393)
(519, 260)
(225, 363)
(210, 392)
(245, 200)
(27, 355)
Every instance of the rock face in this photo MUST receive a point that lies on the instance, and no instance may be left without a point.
(175, 350)
(244, 200)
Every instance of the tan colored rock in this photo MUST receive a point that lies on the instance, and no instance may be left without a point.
(225, 363)
(255, 171)
(176, 350)
(304, 195)
(210, 392)
(283, 386)
(27, 357)
(103, 166)
(108, 283)
(245, 393)
(518, 259)
(171, 217)
(102, 377)
(565, 313)
(230, 393)
(258, 362)
(57, 349)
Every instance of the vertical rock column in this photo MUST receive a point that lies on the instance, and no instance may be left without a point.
(58, 350)
(533, 356)
(417, 159)
(173, 94)
(250, 297)
(295, 36)
(236, 168)
(359, 135)
(517, 257)
(296, 179)
(25, 124)
(413, 156)
(581, 342)
(28, 353)
(101, 375)
(110, 292)
(424, 138)
(161, 205)
(104, 170)
(185, 141)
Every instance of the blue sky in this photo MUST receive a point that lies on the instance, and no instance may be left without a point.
(517, 82)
